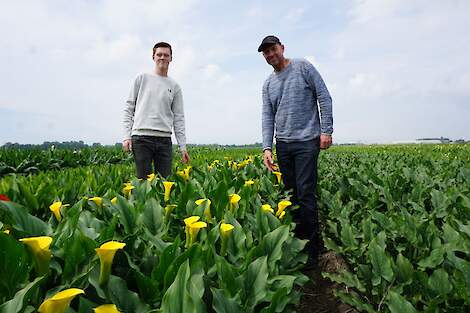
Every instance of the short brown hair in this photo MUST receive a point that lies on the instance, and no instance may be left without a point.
(161, 44)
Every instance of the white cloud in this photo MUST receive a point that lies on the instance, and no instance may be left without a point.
(70, 65)
(364, 11)
(114, 50)
(213, 73)
(294, 14)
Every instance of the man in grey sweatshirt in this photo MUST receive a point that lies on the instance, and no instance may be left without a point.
(154, 108)
(297, 108)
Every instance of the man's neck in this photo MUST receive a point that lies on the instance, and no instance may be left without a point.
(282, 65)
(161, 72)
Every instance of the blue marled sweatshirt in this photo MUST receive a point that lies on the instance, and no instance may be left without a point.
(290, 100)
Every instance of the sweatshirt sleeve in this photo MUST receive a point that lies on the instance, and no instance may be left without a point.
(129, 109)
(267, 118)
(316, 82)
(178, 119)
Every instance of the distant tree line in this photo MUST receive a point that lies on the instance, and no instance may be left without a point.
(80, 145)
(49, 144)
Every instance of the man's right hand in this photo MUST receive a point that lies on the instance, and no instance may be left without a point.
(127, 145)
(268, 160)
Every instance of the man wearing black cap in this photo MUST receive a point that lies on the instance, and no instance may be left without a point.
(297, 108)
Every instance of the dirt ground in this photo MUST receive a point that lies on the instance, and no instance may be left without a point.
(318, 292)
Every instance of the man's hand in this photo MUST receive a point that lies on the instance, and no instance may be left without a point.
(127, 145)
(325, 141)
(268, 160)
(185, 156)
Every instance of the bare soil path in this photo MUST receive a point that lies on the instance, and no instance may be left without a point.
(318, 292)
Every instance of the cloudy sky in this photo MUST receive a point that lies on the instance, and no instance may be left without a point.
(396, 70)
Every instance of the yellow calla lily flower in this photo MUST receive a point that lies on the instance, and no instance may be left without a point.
(234, 199)
(55, 208)
(60, 302)
(6, 231)
(106, 254)
(190, 220)
(184, 173)
(278, 176)
(225, 231)
(39, 246)
(106, 308)
(281, 206)
(207, 210)
(167, 185)
(192, 229)
(267, 208)
(249, 183)
(127, 189)
(97, 200)
(169, 208)
(282, 214)
(114, 200)
(150, 177)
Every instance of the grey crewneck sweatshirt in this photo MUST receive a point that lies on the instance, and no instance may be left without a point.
(296, 104)
(154, 108)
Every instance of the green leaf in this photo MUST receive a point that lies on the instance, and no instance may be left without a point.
(354, 301)
(123, 298)
(347, 278)
(86, 306)
(127, 214)
(185, 293)
(272, 245)
(439, 282)
(28, 197)
(77, 253)
(153, 216)
(398, 304)
(279, 301)
(166, 258)
(24, 224)
(193, 252)
(433, 260)
(227, 273)
(347, 237)
(222, 303)
(22, 297)
(14, 266)
(254, 281)
(404, 269)
(381, 262)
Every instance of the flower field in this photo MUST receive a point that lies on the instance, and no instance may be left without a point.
(218, 236)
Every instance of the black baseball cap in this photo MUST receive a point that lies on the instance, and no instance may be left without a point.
(268, 41)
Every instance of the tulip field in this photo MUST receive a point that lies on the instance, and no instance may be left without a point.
(218, 236)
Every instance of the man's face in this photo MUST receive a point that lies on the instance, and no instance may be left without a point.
(274, 54)
(162, 57)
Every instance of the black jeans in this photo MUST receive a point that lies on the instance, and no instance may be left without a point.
(150, 149)
(298, 165)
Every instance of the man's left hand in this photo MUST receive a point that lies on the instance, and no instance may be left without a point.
(325, 141)
(185, 156)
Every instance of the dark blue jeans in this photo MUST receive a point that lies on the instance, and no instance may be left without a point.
(298, 165)
(150, 149)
